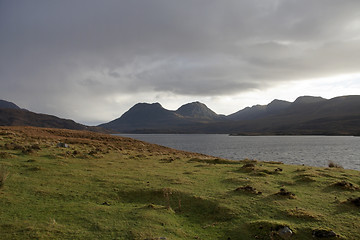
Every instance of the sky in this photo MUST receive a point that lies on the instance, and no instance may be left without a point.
(91, 60)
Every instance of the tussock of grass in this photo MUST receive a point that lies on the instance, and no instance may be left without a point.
(248, 189)
(267, 229)
(4, 155)
(355, 201)
(285, 193)
(303, 214)
(334, 165)
(306, 178)
(346, 185)
(249, 166)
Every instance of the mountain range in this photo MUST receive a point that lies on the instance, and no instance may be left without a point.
(145, 117)
(307, 115)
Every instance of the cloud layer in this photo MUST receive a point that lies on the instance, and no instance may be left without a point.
(90, 59)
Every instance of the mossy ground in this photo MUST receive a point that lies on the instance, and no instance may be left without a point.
(106, 187)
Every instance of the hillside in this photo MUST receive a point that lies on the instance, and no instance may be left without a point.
(107, 187)
(20, 117)
(12, 115)
(6, 104)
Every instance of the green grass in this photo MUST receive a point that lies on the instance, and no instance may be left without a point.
(105, 187)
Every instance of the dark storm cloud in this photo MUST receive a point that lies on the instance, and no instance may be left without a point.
(67, 53)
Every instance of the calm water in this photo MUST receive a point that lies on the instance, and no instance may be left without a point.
(308, 150)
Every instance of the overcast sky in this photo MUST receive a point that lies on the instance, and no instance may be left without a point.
(91, 60)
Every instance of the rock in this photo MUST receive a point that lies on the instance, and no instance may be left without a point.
(62, 145)
(285, 232)
(323, 233)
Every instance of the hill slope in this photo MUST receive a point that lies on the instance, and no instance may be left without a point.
(108, 187)
(22, 117)
(6, 104)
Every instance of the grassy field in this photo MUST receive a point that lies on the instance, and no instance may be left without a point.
(106, 187)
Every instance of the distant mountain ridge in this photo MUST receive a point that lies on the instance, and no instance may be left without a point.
(306, 115)
(258, 111)
(13, 115)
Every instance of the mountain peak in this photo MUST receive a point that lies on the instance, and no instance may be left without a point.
(147, 105)
(6, 104)
(277, 105)
(308, 99)
(196, 110)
